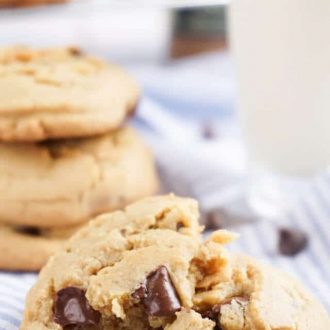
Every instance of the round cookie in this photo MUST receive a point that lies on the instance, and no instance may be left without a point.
(147, 268)
(17, 245)
(60, 93)
(64, 183)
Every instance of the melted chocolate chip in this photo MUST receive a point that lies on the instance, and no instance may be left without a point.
(158, 294)
(72, 308)
(292, 241)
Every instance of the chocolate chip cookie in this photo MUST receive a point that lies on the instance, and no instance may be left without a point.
(64, 183)
(147, 267)
(61, 93)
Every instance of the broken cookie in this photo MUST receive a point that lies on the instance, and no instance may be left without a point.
(147, 267)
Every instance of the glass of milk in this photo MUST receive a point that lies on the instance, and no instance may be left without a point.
(282, 56)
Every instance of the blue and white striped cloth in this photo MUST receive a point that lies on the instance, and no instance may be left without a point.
(200, 170)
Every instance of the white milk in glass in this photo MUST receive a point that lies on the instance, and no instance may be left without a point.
(282, 55)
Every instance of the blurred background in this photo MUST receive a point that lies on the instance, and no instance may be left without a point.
(181, 54)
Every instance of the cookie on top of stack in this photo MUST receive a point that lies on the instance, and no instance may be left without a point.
(65, 155)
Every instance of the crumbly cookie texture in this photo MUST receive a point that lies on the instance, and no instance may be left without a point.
(259, 297)
(17, 245)
(60, 93)
(64, 183)
(147, 267)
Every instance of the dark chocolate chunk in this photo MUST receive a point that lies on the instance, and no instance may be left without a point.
(291, 241)
(208, 131)
(158, 294)
(72, 308)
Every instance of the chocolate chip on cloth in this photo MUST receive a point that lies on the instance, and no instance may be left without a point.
(292, 241)
(140, 270)
(208, 131)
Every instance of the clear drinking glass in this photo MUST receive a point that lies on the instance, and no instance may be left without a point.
(282, 56)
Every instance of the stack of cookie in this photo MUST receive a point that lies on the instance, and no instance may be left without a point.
(64, 154)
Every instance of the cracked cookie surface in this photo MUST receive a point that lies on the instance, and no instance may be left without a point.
(147, 267)
(60, 93)
(64, 183)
